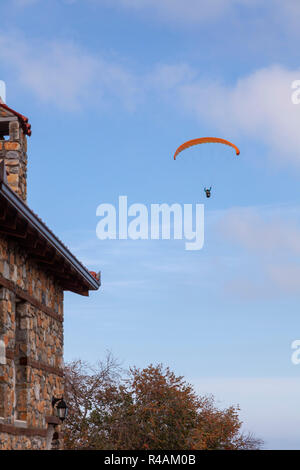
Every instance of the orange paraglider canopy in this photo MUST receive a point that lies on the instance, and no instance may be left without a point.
(205, 140)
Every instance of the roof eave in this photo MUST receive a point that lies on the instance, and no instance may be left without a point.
(47, 235)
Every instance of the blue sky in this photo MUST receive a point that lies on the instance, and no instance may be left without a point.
(111, 88)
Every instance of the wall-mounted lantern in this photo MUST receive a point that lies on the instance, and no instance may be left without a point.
(60, 408)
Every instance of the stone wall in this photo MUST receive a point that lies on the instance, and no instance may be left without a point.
(31, 334)
(15, 442)
(14, 154)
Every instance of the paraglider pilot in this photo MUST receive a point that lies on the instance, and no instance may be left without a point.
(207, 192)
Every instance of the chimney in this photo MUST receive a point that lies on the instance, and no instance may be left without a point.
(14, 129)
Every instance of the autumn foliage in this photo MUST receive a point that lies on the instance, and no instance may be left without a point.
(150, 409)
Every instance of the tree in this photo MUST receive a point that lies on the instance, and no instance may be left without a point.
(85, 387)
(149, 409)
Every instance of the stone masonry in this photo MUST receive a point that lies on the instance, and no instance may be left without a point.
(31, 369)
(31, 304)
(31, 372)
(14, 153)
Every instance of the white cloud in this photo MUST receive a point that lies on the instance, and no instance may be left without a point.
(286, 277)
(283, 14)
(258, 106)
(66, 75)
(270, 260)
(287, 12)
(179, 10)
(261, 231)
(280, 13)
(168, 77)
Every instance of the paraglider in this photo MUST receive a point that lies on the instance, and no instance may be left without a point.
(207, 192)
(205, 140)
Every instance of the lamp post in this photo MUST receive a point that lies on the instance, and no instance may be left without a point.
(60, 408)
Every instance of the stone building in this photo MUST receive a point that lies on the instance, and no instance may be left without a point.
(35, 270)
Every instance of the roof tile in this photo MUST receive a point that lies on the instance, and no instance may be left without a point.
(23, 119)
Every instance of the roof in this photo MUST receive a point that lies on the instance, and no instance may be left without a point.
(24, 121)
(42, 246)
